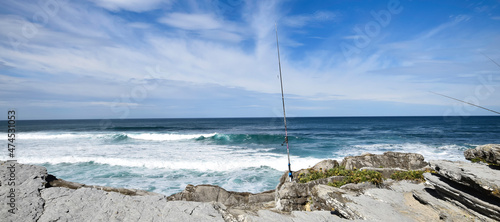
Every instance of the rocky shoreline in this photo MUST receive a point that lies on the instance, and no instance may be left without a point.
(449, 191)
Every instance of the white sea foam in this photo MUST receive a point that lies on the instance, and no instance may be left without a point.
(55, 135)
(212, 163)
(167, 136)
(88, 135)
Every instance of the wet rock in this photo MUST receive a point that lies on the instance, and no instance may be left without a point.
(407, 161)
(489, 153)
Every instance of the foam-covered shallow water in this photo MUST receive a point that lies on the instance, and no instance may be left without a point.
(164, 155)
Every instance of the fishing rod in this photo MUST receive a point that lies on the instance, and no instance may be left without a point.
(283, 100)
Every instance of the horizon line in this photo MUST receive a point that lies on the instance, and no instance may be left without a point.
(263, 117)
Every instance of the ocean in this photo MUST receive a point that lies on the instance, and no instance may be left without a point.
(238, 154)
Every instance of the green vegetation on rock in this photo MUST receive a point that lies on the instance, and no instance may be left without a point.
(359, 176)
(351, 176)
(478, 159)
(417, 175)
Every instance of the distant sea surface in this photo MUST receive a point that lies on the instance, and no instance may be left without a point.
(244, 154)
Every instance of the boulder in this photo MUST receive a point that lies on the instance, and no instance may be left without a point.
(292, 196)
(406, 161)
(489, 153)
(325, 165)
(479, 177)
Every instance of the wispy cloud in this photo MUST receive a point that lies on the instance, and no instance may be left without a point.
(454, 20)
(192, 21)
(88, 56)
(207, 25)
(132, 5)
(298, 21)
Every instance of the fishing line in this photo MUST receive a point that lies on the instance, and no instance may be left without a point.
(472, 104)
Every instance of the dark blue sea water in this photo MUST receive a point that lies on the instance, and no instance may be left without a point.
(245, 154)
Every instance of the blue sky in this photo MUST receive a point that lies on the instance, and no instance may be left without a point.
(168, 59)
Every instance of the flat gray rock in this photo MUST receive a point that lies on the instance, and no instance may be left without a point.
(448, 211)
(477, 176)
(29, 180)
(395, 204)
(87, 204)
(295, 216)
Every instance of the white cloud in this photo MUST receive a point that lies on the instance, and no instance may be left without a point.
(139, 25)
(303, 20)
(206, 25)
(64, 104)
(192, 21)
(131, 5)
